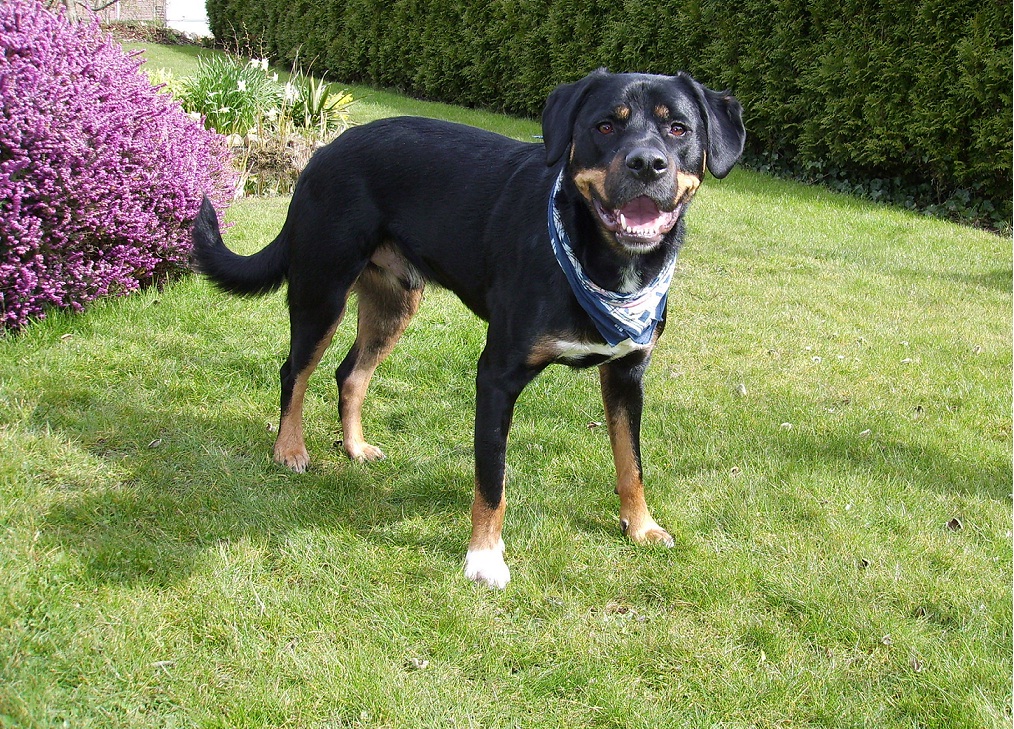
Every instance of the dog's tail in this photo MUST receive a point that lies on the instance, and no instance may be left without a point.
(260, 273)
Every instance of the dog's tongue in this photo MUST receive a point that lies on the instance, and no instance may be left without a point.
(641, 212)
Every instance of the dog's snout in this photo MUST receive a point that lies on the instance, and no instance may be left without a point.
(647, 164)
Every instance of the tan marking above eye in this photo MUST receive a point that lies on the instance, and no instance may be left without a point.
(662, 111)
(622, 112)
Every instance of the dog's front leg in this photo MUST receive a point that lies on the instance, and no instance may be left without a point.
(498, 385)
(623, 395)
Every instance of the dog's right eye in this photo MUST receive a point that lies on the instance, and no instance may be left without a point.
(605, 128)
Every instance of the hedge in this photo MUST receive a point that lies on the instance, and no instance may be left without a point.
(909, 100)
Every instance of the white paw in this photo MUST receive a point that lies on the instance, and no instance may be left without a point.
(487, 565)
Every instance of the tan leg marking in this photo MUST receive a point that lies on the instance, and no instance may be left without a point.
(635, 519)
(385, 309)
(290, 448)
(484, 561)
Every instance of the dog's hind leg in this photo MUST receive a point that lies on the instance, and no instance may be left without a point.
(311, 333)
(387, 301)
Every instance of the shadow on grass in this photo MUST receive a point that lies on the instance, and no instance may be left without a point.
(891, 458)
(172, 494)
(999, 280)
(889, 452)
(174, 486)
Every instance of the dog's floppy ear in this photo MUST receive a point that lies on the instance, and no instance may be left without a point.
(726, 134)
(559, 114)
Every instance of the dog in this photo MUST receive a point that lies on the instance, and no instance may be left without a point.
(566, 248)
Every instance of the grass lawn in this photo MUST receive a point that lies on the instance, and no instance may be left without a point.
(827, 436)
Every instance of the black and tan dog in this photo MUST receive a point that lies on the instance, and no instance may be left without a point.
(566, 249)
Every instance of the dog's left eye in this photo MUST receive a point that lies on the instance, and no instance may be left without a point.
(605, 128)
(678, 130)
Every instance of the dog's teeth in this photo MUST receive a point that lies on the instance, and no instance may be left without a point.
(629, 229)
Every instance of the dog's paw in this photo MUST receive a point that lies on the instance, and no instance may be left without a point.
(295, 460)
(363, 452)
(488, 566)
(647, 532)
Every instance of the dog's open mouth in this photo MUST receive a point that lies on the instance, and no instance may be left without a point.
(639, 224)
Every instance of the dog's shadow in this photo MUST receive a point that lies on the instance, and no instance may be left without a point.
(159, 497)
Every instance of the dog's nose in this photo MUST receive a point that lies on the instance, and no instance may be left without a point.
(647, 164)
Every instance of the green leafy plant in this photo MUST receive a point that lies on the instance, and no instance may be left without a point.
(272, 128)
(233, 97)
(164, 80)
(315, 105)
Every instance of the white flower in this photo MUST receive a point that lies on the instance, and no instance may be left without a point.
(242, 85)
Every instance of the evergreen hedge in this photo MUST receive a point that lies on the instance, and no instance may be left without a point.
(906, 100)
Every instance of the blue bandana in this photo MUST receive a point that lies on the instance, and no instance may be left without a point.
(618, 317)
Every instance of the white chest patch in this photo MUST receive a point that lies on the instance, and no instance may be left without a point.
(575, 351)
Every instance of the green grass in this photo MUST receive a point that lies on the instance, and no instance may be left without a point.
(156, 569)
(183, 60)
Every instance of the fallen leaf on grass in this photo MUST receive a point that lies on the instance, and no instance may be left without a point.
(955, 525)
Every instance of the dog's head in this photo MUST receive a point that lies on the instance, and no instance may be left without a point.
(637, 146)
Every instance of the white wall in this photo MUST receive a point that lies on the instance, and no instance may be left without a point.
(189, 16)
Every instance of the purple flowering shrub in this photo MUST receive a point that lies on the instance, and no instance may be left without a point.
(101, 176)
